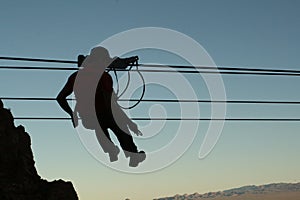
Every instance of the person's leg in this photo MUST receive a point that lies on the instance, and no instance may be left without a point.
(126, 141)
(107, 145)
(125, 138)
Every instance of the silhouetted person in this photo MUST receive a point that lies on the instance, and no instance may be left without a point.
(96, 104)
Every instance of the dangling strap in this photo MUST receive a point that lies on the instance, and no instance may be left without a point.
(144, 86)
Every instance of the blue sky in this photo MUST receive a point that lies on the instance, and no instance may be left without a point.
(248, 33)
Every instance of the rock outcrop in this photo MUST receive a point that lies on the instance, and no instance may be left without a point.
(19, 179)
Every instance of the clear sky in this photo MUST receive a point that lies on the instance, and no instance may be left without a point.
(245, 33)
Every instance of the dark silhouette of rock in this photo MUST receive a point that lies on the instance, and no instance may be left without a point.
(19, 179)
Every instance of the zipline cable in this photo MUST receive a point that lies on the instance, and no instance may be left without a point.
(159, 71)
(177, 119)
(218, 68)
(38, 68)
(178, 67)
(163, 100)
(218, 72)
(38, 60)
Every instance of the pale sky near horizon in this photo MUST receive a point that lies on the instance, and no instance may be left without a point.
(244, 33)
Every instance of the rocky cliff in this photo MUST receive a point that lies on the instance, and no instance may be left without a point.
(19, 179)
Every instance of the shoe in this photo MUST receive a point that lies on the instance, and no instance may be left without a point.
(136, 158)
(113, 156)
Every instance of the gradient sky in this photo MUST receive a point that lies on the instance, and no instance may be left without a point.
(246, 33)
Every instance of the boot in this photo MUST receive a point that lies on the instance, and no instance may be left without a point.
(113, 155)
(136, 158)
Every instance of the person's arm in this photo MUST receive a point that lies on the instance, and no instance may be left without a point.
(122, 63)
(131, 125)
(122, 115)
(62, 97)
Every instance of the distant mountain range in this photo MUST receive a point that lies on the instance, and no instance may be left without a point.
(275, 191)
